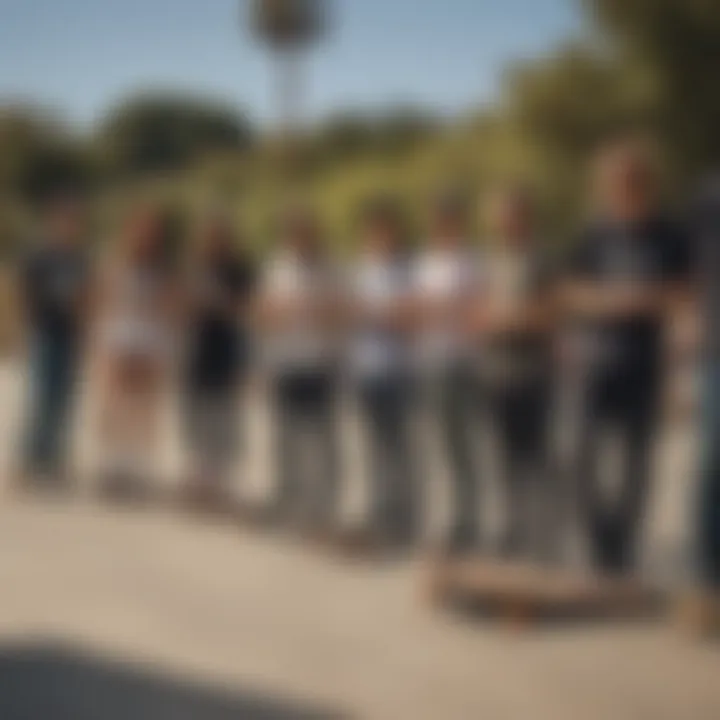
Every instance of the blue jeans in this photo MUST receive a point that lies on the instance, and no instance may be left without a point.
(455, 397)
(386, 404)
(709, 495)
(53, 363)
(306, 418)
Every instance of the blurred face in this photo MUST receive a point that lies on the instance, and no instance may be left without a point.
(66, 222)
(215, 238)
(449, 229)
(626, 187)
(302, 238)
(511, 219)
(381, 238)
(143, 236)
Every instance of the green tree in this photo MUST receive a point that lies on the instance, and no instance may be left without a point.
(37, 155)
(164, 132)
(678, 43)
(555, 114)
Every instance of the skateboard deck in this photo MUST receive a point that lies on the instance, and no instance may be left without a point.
(524, 593)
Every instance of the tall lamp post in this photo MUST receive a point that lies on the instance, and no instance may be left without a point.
(287, 28)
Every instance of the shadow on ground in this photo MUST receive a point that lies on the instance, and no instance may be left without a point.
(54, 682)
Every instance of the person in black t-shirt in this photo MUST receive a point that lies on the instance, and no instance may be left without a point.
(705, 615)
(628, 270)
(54, 286)
(220, 286)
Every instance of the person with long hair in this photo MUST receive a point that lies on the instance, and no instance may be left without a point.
(218, 291)
(296, 302)
(380, 364)
(515, 322)
(137, 307)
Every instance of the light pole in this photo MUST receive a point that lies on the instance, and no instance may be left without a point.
(287, 28)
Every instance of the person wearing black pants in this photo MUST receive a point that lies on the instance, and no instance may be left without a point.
(522, 418)
(219, 293)
(55, 287)
(624, 404)
(515, 323)
(380, 364)
(705, 217)
(629, 270)
(298, 312)
(445, 278)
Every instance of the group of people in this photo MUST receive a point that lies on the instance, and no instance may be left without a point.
(453, 325)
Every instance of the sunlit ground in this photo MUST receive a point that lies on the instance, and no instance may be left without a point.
(179, 618)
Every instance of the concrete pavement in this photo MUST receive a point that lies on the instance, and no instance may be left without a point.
(219, 612)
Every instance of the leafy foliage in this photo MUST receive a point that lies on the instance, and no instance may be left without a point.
(641, 64)
(154, 133)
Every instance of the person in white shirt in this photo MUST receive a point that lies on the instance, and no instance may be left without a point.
(514, 320)
(136, 312)
(297, 308)
(446, 278)
(379, 362)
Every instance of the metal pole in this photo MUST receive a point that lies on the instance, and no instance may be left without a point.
(289, 102)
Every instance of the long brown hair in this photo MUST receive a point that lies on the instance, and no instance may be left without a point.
(151, 238)
(385, 212)
(301, 229)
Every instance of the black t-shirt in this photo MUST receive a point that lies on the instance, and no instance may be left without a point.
(54, 281)
(653, 251)
(218, 288)
(705, 219)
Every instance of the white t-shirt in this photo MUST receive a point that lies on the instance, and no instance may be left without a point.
(450, 278)
(377, 286)
(510, 278)
(303, 343)
(136, 321)
(512, 281)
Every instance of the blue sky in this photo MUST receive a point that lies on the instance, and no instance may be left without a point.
(79, 56)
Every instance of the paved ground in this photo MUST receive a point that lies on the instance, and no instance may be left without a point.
(151, 616)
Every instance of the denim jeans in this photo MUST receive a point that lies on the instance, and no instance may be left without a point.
(709, 494)
(212, 429)
(306, 429)
(454, 398)
(386, 404)
(53, 366)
